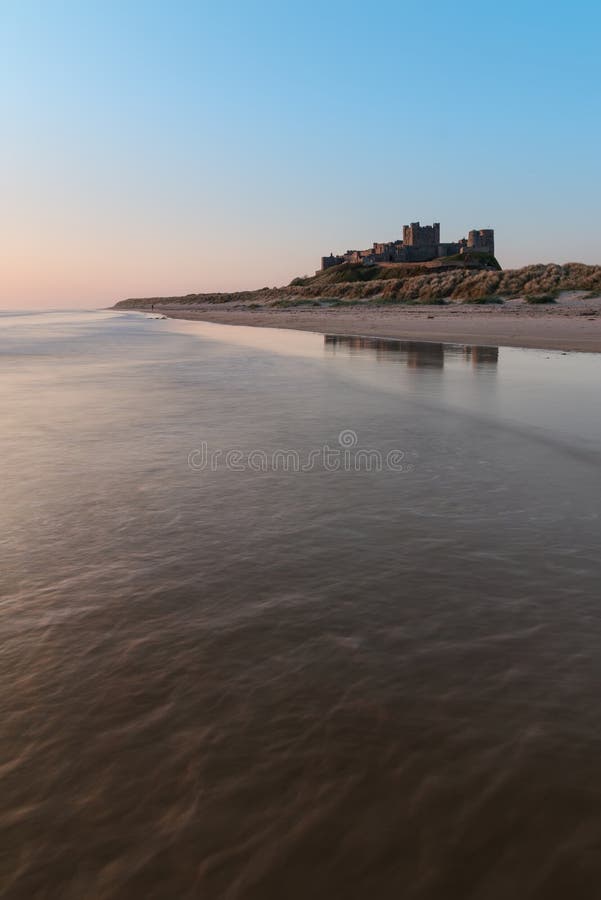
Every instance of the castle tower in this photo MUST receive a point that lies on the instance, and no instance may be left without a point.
(416, 235)
(482, 239)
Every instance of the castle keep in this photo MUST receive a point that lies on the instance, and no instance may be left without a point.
(421, 243)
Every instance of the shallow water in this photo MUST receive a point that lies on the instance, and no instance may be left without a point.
(311, 672)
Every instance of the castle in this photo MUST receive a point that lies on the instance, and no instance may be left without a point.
(421, 243)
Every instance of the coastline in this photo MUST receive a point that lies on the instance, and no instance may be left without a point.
(565, 327)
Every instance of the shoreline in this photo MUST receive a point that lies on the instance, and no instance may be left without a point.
(564, 327)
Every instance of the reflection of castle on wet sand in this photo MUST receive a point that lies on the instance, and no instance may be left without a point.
(415, 354)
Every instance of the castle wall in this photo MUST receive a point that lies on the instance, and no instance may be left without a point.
(328, 261)
(448, 249)
(421, 243)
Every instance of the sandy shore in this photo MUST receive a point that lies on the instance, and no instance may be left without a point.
(563, 326)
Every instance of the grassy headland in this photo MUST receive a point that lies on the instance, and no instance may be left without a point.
(453, 280)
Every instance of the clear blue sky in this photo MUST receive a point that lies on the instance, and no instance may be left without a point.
(166, 147)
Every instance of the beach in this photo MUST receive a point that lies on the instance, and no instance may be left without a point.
(571, 324)
(287, 615)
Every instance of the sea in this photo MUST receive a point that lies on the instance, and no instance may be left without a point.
(289, 616)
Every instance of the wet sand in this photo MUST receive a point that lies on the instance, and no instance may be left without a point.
(564, 326)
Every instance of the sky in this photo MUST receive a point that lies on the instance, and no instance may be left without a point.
(156, 148)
